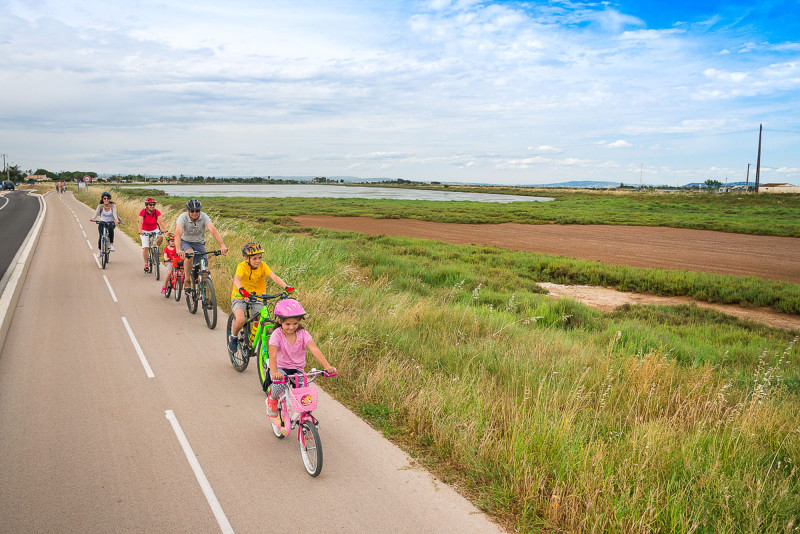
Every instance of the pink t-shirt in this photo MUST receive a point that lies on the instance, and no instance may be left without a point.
(290, 356)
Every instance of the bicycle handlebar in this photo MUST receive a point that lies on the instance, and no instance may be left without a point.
(264, 297)
(313, 374)
(211, 252)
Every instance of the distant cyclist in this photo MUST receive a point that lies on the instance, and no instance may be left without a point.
(190, 232)
(149, 220)
(106, 214)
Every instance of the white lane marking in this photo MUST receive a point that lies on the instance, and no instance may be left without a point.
(138, 349)
(97, 261)
(224, 524)
(110, 290)
(6, 202)
(84, 233)
(90, 245)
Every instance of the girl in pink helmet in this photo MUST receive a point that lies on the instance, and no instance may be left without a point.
(287, 349)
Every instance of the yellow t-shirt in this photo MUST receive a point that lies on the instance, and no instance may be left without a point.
(253, 280)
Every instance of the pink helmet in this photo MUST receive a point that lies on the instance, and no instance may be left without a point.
(289, 308)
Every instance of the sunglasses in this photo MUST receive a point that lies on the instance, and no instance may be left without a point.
(194, 211)
(149, 204)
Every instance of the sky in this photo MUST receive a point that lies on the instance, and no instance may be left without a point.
(501, 92)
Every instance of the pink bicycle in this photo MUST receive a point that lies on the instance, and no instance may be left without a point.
(295, 406)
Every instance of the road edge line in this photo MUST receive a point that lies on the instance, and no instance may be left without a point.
(11, 285)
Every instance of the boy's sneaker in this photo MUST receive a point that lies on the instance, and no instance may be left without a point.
(233, 344)
(111, 248)
(272, 407)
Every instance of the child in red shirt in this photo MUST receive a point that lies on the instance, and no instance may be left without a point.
(171, 258)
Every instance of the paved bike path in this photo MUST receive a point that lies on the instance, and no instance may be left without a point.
(89, 447)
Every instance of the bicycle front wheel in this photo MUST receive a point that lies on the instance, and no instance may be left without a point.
(209, 298)
(311, 448)
(241, 357)
(191, 300)
(263, 367)
(104, 255)
(168, 285)
(157, 267)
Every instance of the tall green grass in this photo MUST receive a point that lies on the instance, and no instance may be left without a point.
(550, 415)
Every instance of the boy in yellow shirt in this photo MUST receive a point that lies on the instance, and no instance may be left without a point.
(250, 278)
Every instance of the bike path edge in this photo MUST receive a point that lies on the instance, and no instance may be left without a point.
(11, 285)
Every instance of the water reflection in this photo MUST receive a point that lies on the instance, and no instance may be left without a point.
(335, 191)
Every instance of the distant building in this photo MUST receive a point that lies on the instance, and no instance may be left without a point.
(37, 177)
(778, 188)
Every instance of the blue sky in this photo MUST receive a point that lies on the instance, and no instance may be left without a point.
(461, 91)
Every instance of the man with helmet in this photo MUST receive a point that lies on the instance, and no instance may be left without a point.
(190, 231)
(149, 220)
(250, 278)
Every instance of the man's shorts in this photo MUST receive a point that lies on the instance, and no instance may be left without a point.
(198, 248)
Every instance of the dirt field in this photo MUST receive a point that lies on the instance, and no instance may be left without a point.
(769, 257)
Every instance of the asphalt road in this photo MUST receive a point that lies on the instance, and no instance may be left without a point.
(90, 440)
(18, 211)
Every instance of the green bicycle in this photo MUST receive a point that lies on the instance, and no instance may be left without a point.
(254, 335)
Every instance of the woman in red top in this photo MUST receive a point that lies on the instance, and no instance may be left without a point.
(149, 220)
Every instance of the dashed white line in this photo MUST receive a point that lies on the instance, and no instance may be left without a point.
(138, 349)
(110, 290)
(84, 233)
(90, 245)
(222, 520)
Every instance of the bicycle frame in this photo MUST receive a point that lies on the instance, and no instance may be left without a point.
(290, 418)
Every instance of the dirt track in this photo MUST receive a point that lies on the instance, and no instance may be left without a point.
(774, 258)
(770, 257)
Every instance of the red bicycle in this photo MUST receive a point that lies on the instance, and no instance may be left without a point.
(175, 281)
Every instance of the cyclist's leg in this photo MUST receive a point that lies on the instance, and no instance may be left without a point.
(237, 307)
(100, 235)
(110, 227)
(145, 246)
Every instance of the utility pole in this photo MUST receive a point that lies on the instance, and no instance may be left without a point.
(747, 180)
(758, 161)
(5, 169)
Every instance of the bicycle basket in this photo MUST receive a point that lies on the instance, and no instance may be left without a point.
(304, 399)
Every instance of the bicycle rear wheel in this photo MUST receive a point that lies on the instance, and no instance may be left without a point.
(178, 287)
(241, 357)
(209, 298)
(311, 448)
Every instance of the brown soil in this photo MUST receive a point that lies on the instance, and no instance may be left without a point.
(769, 257)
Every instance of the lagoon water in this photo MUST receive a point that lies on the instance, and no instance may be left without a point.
(334, 191)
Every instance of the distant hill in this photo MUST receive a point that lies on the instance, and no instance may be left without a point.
(580, 184)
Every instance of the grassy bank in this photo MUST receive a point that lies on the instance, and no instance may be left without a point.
(764, 214)
(550, 415)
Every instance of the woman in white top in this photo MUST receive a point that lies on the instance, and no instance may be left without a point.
(106, 215)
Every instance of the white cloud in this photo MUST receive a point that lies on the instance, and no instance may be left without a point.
(619, 144)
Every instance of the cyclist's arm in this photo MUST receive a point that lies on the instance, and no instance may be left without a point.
(277, 279)
(211, 228)
(237, 282)
(273, 363)
(160, 223)
(319, 356)
(178, 234)
(141, 223)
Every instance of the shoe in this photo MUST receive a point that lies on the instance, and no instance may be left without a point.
(111, 248)
(146, 269)
(98, 254)
(272, 409)
(163, 290)
(233, 344)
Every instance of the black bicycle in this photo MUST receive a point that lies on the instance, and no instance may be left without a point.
(200, 288)
(105, 243)
(253, 335)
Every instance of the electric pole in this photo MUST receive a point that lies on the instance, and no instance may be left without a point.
(758, 161)
(747, 180)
